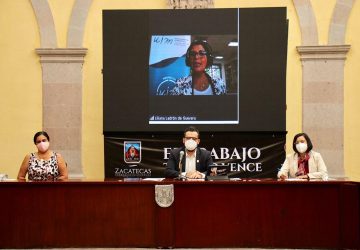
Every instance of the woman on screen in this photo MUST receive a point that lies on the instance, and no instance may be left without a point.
(198, 58)
(304, 163)
(45, 164)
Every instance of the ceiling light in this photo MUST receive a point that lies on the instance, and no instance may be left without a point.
(233, 44)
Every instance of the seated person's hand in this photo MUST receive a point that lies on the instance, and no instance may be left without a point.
(194, 175)
(305, 176)
(283, 177)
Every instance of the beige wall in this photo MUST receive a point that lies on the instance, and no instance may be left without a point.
(21, 83)
(351, 96)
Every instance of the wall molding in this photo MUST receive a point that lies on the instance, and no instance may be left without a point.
(61, 55)
(323, 52)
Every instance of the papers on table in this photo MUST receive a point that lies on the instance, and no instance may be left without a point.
(295, 179)
(153, 179)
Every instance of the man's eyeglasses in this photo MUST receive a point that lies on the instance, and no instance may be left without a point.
(201, 53)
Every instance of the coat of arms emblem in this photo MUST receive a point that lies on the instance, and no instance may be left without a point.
(164, 195)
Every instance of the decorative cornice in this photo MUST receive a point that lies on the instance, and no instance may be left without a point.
(190, 4)
(323, 52)
(61, 55)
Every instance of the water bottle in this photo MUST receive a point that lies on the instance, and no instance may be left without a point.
(3, 177)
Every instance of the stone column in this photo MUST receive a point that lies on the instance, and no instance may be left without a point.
(323, 101)
(62, 102)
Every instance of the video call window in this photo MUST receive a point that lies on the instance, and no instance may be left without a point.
(191, 69)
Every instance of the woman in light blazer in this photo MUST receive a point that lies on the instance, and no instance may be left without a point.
(304, 163)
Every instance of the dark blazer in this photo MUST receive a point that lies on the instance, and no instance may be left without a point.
(203, 160)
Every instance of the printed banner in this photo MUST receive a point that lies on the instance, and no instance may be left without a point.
(144, 155)
(167, 62)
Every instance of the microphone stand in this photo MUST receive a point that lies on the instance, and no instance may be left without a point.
(180, 177)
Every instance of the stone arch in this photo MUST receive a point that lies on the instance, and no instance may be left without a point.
(339, 21)
(77, 23)
(305, 12)
(46, 24)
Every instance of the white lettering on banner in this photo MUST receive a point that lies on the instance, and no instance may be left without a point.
(223, 153)
(245, 153)
(256, 150)
(132, 172)
(246, 167)
(167, 153)
(235, 154)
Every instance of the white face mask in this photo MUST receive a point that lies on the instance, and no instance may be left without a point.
(190, 144)
(301, 147)
(43, 146)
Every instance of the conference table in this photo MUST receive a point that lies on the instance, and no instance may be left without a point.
(242, 213)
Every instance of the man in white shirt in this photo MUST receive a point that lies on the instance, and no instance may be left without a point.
(193, 161)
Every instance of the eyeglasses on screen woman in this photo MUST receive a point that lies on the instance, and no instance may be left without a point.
(201, 53)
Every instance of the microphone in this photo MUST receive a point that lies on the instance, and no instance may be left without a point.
(181, 155)
(180, 163)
